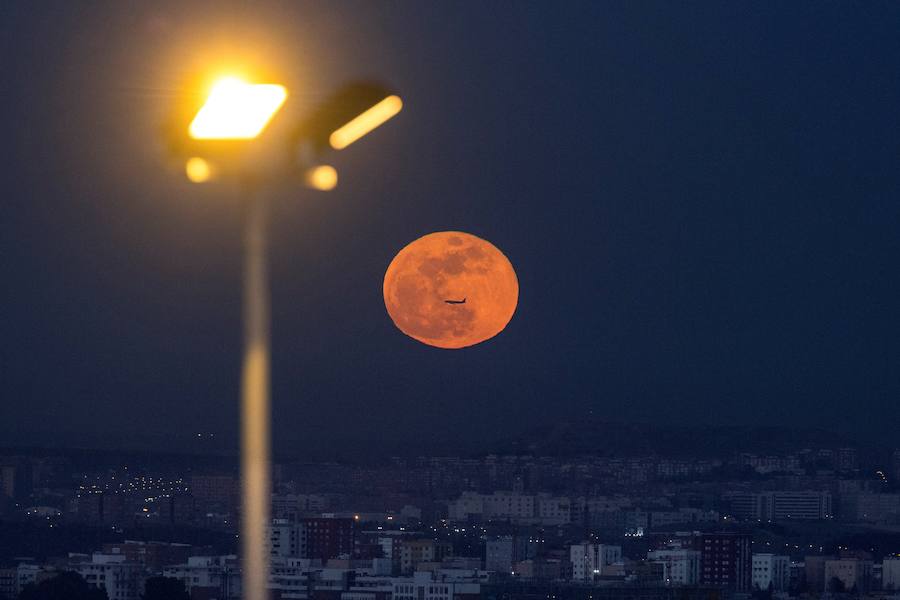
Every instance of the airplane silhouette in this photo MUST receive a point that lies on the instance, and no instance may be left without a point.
(463, 301)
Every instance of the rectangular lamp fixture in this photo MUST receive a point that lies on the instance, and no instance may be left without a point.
(237, 110)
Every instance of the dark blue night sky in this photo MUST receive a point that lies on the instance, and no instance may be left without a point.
(702, 202)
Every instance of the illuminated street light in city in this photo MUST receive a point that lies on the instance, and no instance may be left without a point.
(239, 134)
(366, 122)
(237, 110)
(354, 111)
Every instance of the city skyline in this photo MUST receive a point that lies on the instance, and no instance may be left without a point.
(785, 524)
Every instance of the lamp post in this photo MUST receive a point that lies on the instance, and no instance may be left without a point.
(236, 110)
(255, 406)
(231, 120)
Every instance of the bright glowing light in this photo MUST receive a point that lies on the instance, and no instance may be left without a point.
(323, 177)
(237, 110)
(365, 122)
(198, 171)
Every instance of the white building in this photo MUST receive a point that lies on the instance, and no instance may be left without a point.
(294, 506)
(772, 464)
(8, 587)
(221, 573)
(680, 566)
(877, 508)
(854, 573)
(553, 510)
(500, 554)
(781, 505)
(588, 560)
(667, 518)
(291, 578)
(121, 580)
(433, 586)
(369, 587)
(467, 505)
(13, 579)
(221, 576)
(25, 574)
(890, 573)
(771, 570)
(516, 507)
(283, 539)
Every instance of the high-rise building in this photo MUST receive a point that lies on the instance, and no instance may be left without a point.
(814, 572)
(283, 539)
(391, 549)
(725, 560)
(588, 559)
(102, 508)
(499, 554)
(326, 537)
(502, 553)
(177, 509)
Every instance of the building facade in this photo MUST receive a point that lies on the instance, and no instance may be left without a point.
(725, 560)
(771, 571)
(681, 566)
(588, 560)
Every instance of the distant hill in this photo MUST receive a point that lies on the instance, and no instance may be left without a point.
(588, 437)
(604, 438)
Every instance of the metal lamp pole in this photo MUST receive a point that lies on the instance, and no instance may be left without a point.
(255, 410)
(237, 110)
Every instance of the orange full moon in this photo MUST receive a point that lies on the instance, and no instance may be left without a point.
(451, 290)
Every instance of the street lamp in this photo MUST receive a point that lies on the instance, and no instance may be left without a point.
(352, 112)
(237, 110)
(229, 136)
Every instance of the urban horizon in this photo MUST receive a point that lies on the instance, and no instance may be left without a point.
(804, 521)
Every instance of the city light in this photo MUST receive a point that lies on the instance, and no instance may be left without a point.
(237, 110)
(366, 122)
